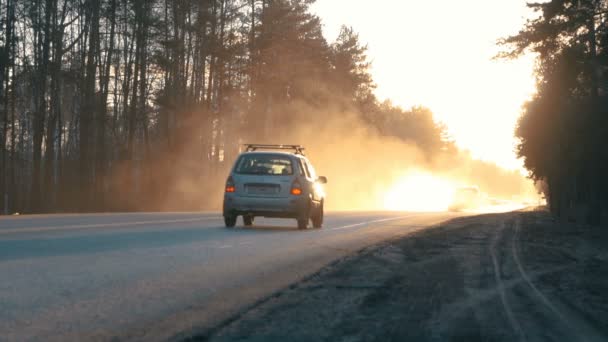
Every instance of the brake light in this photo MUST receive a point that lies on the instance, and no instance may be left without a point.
(296, 188)
(230, 185)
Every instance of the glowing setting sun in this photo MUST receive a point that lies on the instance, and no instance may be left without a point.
(423, 191)
(439, 54)
(420, 191)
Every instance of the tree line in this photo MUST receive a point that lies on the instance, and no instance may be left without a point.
(103, 103)
(563, 131)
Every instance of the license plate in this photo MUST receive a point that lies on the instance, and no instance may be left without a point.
(262, 190)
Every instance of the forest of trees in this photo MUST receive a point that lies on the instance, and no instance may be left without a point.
(104, 102)
(564, 128)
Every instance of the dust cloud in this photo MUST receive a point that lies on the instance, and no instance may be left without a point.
(366, 170)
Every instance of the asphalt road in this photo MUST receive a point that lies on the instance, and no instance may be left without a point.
(160, 276)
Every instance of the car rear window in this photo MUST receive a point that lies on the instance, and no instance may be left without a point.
(265, 165)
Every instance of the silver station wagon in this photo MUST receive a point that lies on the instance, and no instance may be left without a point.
(274, 181)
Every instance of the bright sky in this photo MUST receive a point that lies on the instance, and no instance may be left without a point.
(439, 54)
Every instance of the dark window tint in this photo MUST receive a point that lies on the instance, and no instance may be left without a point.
(264, 165)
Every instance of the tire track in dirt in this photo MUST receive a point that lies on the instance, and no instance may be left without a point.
(500, 284)
(524, 274)
(576, 325)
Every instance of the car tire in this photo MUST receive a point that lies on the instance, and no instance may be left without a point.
(304, 217)
(317, 218)
(302, 223)
(248, 220)
(230, 221)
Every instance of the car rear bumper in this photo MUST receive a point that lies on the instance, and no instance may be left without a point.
(287, 207)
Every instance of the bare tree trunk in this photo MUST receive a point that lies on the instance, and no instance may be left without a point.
(100, 166)
(133, 110)
(143, 118)
(55, 108)
(6, 61)
(90, 107)
(9, 204)
(595, 177)
(41, 109)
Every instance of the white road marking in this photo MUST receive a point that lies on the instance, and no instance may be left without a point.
(370, 222)
(103, 225)
(225, 246)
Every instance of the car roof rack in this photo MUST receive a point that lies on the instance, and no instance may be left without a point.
(254, 147)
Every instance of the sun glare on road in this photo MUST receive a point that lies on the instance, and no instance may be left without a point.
(420, 191)
(423, 191)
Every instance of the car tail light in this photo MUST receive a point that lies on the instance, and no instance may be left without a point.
(296, 188)
(230, 185)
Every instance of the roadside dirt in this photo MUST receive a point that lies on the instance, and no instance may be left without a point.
(502, 277)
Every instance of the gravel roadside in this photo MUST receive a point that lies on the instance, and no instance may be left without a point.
(502, 277)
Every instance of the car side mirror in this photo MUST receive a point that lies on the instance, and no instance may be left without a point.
(322, 180)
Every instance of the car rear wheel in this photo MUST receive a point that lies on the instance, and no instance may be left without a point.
(248, 220)
(317, 218)
(230, 221)
(302, 223)
(304, 217)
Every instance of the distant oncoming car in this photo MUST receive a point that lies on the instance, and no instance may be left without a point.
(274, 184)
(466, 198)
